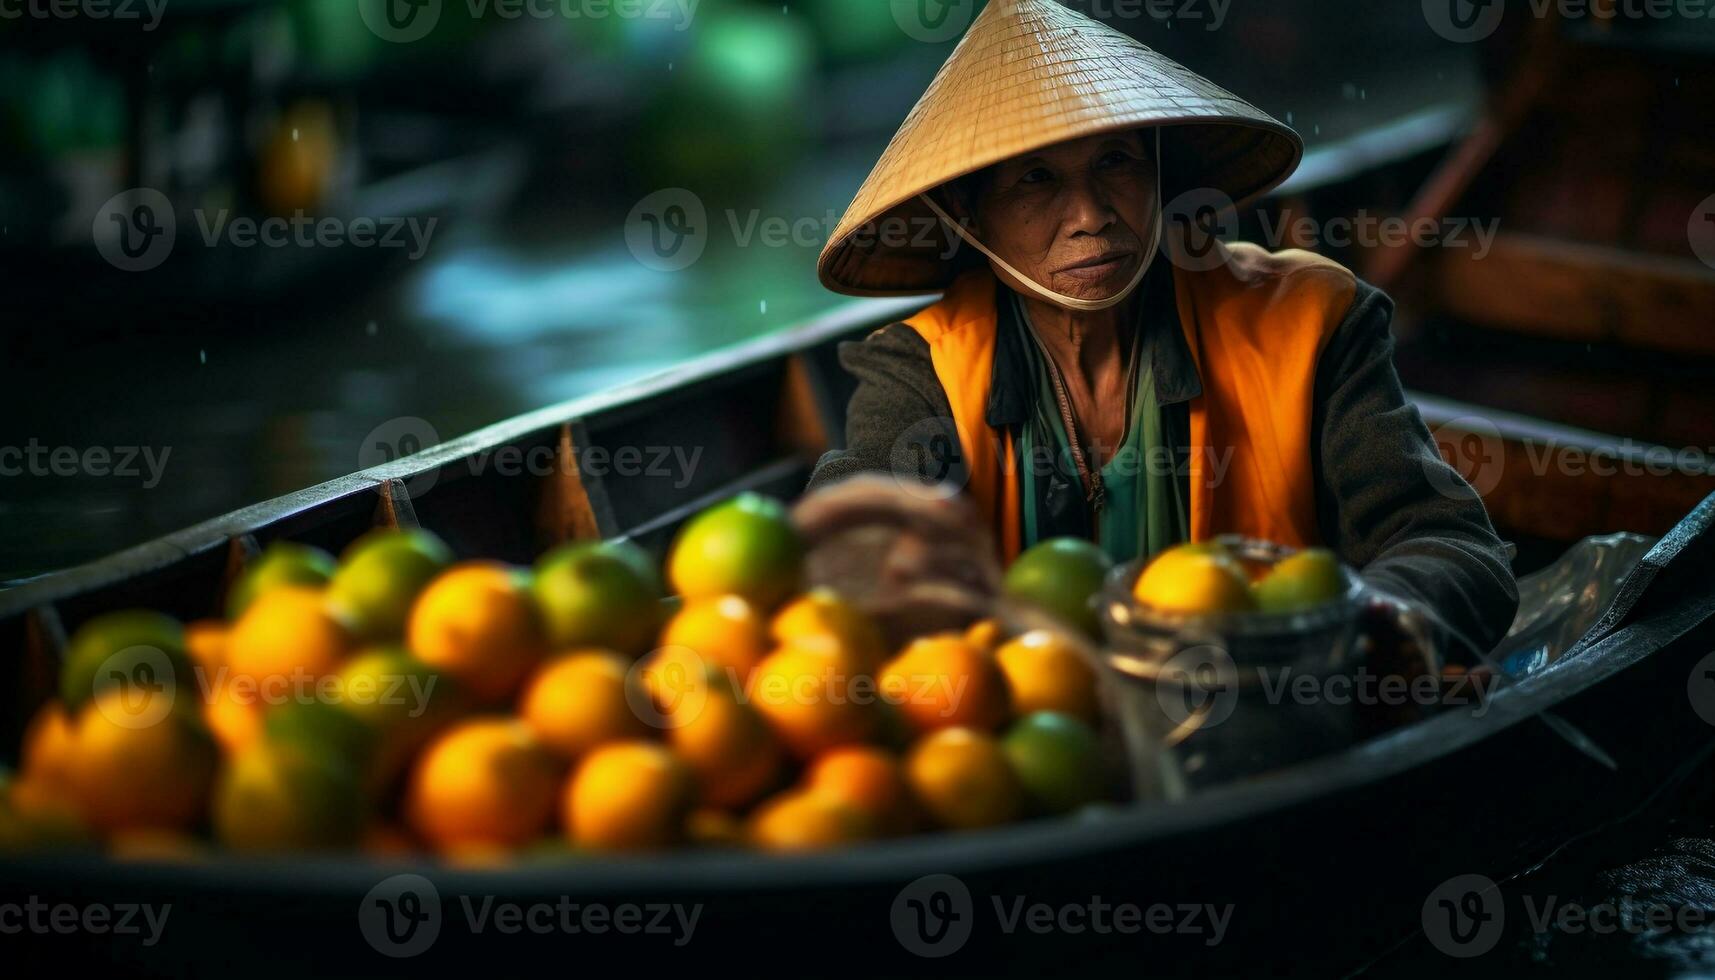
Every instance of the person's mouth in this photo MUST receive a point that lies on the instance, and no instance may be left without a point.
(1099, 267)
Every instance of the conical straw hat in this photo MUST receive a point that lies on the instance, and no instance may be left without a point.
(1029, 74)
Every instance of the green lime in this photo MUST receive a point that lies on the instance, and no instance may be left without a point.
(641, 562)
(134, 646)
(1058, 761)
(380, 575)
(283, 796)
(745, 546)
(593, 597)
(403, 701)
(1304, 581)
(1061, 576)
(281, 563)
(322, 726)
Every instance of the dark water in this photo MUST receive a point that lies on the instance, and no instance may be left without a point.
(1634, 900)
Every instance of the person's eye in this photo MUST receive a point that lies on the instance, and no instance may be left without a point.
(1115, 160)
(1036, 175)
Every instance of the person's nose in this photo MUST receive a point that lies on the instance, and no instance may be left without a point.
(1089, 207)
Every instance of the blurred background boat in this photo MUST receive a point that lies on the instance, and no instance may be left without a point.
(528, 141)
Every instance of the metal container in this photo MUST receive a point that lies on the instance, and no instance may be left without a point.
(1203, 699)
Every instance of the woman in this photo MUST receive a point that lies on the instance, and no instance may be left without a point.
(1087, 373)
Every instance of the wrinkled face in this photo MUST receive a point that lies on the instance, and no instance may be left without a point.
(1074, 216)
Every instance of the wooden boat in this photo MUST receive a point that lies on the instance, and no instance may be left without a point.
(1324, 863)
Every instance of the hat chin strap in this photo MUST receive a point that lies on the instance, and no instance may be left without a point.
(1061, 299)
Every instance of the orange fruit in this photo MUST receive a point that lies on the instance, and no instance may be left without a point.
(675, 675)
(486, 782)
(155, 845)
(811, 702)
(985, 635)
(1046, 673)
(726, 632)
(940, 681)
(286, 634)
(232, 713)
(387, 840)
(628, 796)
(579, 701)
(800, 820)
(281, 563)
(745, 546)
(961, 779)
(728, 747)
(476, 624)
(205, 642)
(709, 827)
(48, 747)
(1195, 580)
(140, 762)
(35, 798)
(821, 619)
(868, 778)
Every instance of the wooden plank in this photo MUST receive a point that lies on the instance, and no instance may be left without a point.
(1582, 294)
(1558, 483)
(394, 509)
(568, 514)
(802, 424)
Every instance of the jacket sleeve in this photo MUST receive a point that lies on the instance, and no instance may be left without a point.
(899, 420)
(1388, 504)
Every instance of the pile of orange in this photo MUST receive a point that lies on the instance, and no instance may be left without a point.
(399, 700)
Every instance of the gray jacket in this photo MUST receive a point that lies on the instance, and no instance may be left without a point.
(1386, 501)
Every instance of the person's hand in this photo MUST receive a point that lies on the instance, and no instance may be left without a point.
(916, 561)
(1396, 638)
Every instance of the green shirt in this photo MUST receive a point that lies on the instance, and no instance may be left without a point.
(1139, 508)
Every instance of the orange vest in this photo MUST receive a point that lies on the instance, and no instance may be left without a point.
(1256, 327)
